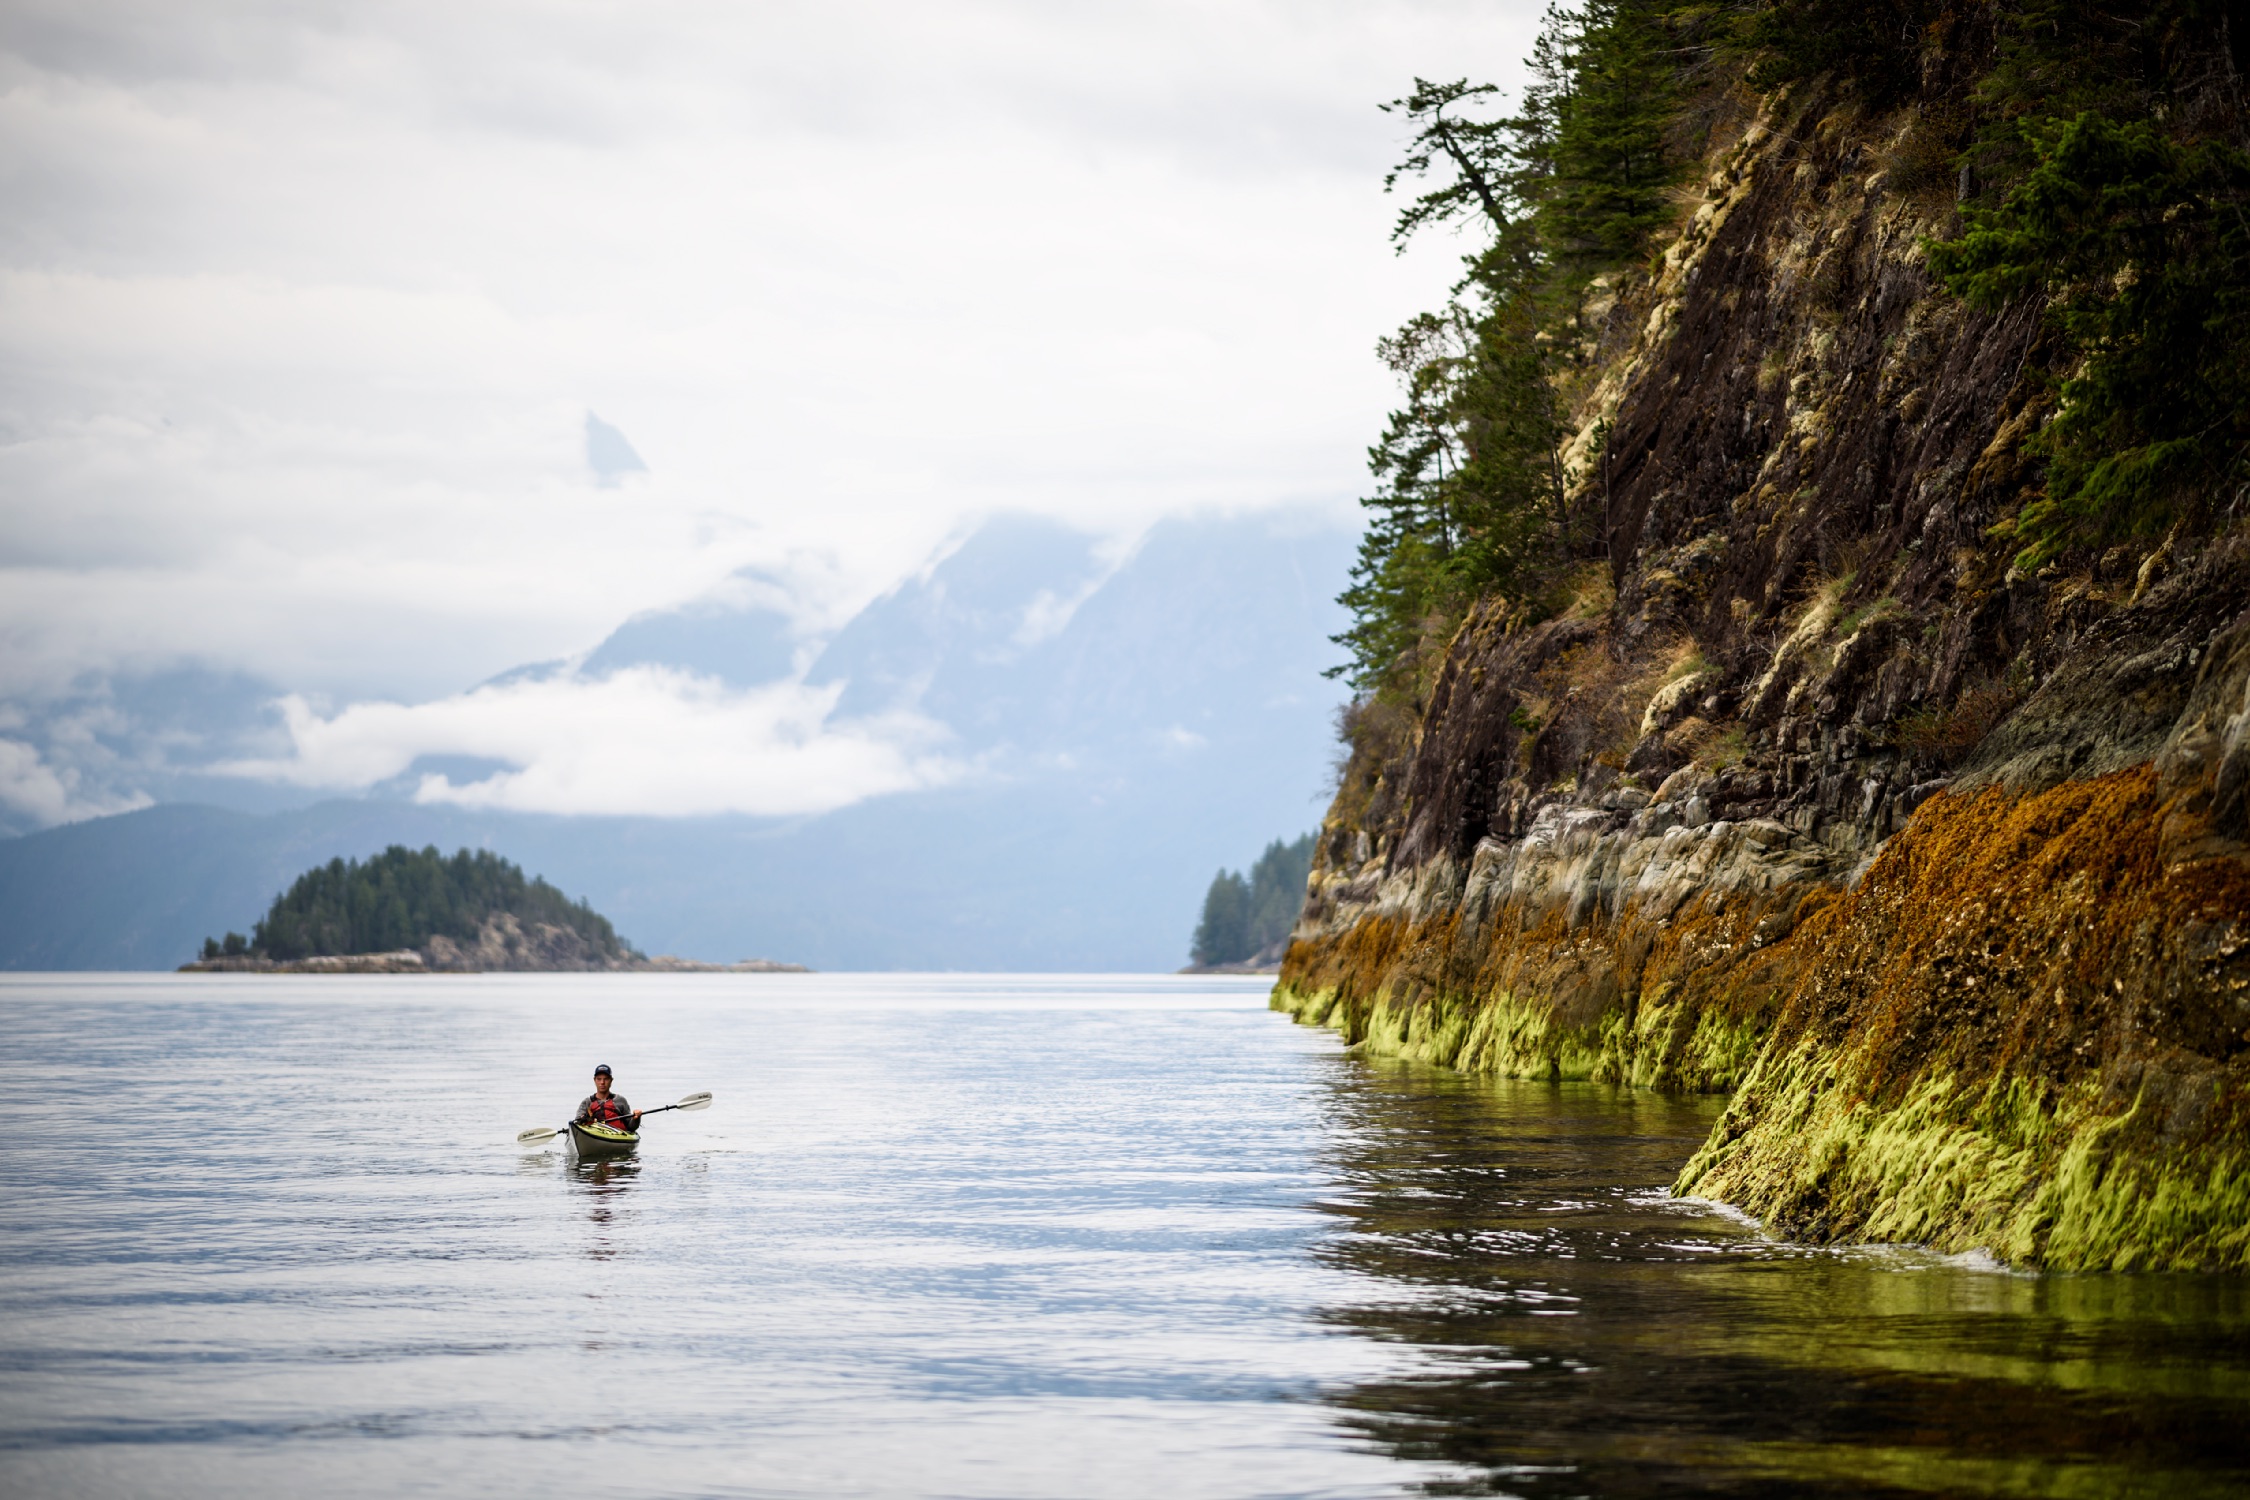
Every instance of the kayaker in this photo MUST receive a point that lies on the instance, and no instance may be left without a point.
(602, 1107)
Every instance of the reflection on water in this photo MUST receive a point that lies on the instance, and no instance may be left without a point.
(604, 1181)
(1575, 1331)
(603, 1176)
(1005, 1237)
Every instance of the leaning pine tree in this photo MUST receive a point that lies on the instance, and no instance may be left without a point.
(1471, 496)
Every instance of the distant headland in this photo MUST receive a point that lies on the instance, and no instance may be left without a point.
(409, 911)
(1246, 921)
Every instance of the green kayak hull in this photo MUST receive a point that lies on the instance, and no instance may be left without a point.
(601, 1140)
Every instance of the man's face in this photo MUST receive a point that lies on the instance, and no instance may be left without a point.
(601, 1084)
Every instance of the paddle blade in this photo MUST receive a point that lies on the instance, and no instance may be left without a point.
(694, 1101)
(534, 1137)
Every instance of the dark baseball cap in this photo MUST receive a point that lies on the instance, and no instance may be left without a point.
(601, 1070)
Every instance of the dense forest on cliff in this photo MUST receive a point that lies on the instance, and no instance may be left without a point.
(403, 898)
(2098, 168)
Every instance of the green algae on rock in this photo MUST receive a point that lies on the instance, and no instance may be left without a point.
(1997, 1041)
(1940, 865)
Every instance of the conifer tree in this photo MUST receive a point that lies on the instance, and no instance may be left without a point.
(401, 899)
(1245, 917)
(1606, 189)
(2140, 244)
(1222, 936)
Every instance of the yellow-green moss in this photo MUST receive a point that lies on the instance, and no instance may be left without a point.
(1310, 1007)
(2004, 1039)
(2030, 1178)
(1662, 1046)
(2015, 1033)
(1502, 1036)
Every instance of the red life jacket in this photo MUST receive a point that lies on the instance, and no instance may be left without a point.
(610, 1111)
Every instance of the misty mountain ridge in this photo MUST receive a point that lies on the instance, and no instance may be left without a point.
(1118, 723)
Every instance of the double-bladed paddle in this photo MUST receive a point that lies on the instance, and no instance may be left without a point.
(534, 1137)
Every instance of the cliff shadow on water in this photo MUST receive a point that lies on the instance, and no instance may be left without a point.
(1856, 756)
(1569, 1329)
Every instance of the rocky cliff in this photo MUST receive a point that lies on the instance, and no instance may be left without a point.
(1811, 795)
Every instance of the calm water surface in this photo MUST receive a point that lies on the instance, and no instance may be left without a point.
(975, 1236)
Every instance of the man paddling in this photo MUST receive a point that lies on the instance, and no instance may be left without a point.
(602, 1107)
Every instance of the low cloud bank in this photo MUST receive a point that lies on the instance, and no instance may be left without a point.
(42, 795)
(643, 741)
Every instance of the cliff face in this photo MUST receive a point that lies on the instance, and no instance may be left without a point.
(1810, 795)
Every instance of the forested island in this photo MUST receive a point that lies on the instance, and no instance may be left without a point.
(1246, 920)
(1802, 637)
(414, 910)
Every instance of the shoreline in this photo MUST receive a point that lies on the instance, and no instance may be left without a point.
(413, 961)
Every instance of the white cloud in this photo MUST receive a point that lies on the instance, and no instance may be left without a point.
(44, 795)
(1049, 614)
(642, 741)
(302, 305)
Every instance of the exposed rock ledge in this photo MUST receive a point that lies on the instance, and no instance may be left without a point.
(411, 961)
(404, 961)
(503, 945)
(2020, 1023)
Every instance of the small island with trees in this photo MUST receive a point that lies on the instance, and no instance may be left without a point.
(418, 911)
(1246, 920)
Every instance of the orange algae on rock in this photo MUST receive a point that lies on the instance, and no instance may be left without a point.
(1939, 864)
(2027, 1029)
(1680, 1006)
(2006, 1038)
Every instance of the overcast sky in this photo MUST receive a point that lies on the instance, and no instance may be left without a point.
(303, 306)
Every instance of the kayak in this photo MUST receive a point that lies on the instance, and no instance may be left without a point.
(602, 1140)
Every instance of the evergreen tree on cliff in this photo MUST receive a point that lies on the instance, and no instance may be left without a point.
(1471, 487)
